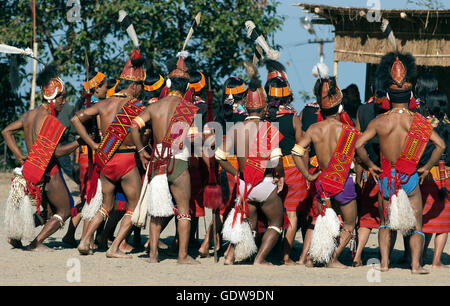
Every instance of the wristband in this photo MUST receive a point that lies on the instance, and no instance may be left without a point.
(138, 121)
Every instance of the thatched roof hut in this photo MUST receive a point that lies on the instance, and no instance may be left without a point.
(423, 33)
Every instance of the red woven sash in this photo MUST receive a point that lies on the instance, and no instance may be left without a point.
(172, 143)
(332, 180)
(117, 131)
(414, 145)
(41, 153)
(267, 139)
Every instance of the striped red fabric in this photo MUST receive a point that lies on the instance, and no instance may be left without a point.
(295, 191)
(198, 172)
(83, 163)
(369, 216)
(229, 203)
(436, 212)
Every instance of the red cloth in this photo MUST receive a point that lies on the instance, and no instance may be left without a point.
(368, 205)
(229, 203)
(198, 172)
(436, 212)
(119, 165)
(295, 191)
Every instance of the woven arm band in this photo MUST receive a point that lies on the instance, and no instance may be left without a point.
(298, 150)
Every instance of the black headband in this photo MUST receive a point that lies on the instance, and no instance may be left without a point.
(399, 96)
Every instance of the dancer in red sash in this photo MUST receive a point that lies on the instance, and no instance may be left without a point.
(436, 201)
(334, 141)
(260, 177)
(295, 190)
(40, 167)
(229, 112)
(368, 200)
(94, 90)
(403, 137)
(167, 166)
(115, 156)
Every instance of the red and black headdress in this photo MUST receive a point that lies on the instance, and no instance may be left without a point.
(397, 71)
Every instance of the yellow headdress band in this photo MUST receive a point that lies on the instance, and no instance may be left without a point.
(155, 85)
(99, 77)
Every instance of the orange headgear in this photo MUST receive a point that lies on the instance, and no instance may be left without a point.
(198, 85)
(95, 81)
(112, 90)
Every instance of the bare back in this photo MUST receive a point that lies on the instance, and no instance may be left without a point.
(32, 124)
(161, 114)
(245, 134)
(392, 130)
(325, 137)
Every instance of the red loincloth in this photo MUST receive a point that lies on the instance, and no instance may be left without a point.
(369, 216)
(119, 165)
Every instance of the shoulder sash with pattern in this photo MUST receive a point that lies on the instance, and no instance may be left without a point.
(332, 180)
(117, 131)
(41, 153)
(172, 143)
(414, 145)
(267, 139)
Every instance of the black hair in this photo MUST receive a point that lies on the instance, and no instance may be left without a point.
(233, 82)
(255, 110)
(195, 77)
(123, 84)
(111, 83)
(225, 112)
(275, 102)
(179, 84)
(151, 79)
(437, 104)
(378, 87)
(426, 83)
(326, 112)
(351, 105)
(49, 72)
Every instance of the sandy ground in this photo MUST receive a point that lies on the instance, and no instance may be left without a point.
(64, 266)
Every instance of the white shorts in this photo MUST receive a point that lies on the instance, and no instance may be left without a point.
(260, 192)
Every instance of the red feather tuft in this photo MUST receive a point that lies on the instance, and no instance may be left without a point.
(212, 196)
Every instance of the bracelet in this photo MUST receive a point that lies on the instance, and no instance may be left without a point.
(142, 149)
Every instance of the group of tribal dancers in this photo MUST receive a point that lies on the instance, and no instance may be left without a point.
(277, 170)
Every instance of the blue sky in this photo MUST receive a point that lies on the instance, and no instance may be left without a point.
(299, 60)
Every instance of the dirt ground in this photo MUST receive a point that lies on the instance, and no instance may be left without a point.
(64, 266)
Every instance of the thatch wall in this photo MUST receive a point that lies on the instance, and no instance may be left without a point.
(424, 33)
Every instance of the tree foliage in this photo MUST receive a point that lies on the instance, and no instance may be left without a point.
(218, 45)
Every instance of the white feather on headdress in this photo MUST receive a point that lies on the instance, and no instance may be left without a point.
(320, 70)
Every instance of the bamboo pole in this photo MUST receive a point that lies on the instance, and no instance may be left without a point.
(35, 54)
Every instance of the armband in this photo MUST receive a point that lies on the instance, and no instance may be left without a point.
(138, 121)
(220, 154)
(276, 153)
(298, 150)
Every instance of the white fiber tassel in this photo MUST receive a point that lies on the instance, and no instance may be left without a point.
(401, 214)
(91, 209)
(247, 246)
(230, 232)
(323, 241)
(19, 220)
(160, 199)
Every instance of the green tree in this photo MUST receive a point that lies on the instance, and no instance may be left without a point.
(218, 45)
